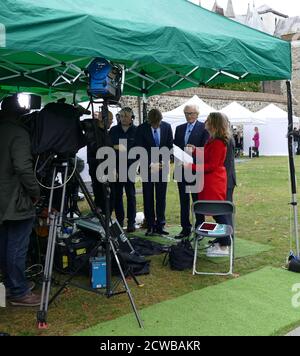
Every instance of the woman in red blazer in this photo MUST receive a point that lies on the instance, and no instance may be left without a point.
(215, 176)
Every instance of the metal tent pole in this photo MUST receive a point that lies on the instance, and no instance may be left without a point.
(144, 102)
(294, 202)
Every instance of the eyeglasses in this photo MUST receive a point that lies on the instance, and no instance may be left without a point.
(191, 113)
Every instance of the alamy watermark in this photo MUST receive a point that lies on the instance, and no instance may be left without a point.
(154, 166)
(296, 296)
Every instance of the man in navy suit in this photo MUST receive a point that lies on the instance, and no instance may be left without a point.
(191, 134)
(151, 134)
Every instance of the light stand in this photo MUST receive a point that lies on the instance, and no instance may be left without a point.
(109, 293)
(109, 246)
(294, 202)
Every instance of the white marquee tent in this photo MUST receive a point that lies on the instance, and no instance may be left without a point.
(176, 117)
(273, 132)
(239, 115)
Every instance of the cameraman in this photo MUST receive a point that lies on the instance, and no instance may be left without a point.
(125, 130)
(97, 137)
(18, 193)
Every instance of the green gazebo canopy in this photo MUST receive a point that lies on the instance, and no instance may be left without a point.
(164, 45)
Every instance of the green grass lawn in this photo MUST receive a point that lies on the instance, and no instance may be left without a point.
(263, 215)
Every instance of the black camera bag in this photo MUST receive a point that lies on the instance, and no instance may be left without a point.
(180, 256)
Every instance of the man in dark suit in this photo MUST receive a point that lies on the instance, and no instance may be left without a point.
(191, 134)
(230, 169)
(155, 133)
(229, 164)
(125, 130)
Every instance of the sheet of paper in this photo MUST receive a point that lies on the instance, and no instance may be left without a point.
(181, 155)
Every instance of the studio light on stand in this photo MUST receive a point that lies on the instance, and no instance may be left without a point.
(106, 81)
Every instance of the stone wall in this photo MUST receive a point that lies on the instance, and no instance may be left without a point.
(215, 98)
(296, 76)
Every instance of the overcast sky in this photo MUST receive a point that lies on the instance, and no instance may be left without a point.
(287, 7)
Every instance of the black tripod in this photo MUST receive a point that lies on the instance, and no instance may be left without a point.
(56, 231)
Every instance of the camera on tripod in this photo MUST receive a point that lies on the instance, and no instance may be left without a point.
(57, 136)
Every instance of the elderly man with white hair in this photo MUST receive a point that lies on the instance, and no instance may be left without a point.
(191, 134)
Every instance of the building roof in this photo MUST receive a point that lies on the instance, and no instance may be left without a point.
(229, 12)
(240, 18)
(288, 26)
(254, 20)
(264, 9)
(218, 9)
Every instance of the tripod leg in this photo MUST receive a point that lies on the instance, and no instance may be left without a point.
(96, 211)
(51, 195)
(56, 223)
(133, 276)
(42, 313)
(139, 320)
(65, 178)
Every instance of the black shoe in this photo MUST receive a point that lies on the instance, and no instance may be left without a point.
(150, 232)
(130, 229)
(162, 232)
(183, 234)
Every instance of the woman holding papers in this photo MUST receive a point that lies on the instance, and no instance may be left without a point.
(215, 176)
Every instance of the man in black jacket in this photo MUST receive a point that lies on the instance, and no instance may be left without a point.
(155, 134)
(230, 169)
(18, 193)
(125, 130)
(98, 137)
(191, 134)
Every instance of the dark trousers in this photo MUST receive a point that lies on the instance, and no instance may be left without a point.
(255, 152)
(226, 219)
(14, 241)
(131, 202)
(100, 191)
(100, 195)
(185, 208)
(229, 197)
(154, 195)
(223, 219)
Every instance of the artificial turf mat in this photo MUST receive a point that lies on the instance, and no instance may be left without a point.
(243, 248)
(256, 304)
